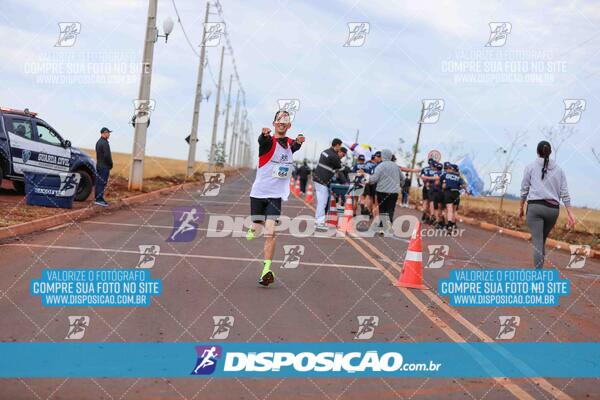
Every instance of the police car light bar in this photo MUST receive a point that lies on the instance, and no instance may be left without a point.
(12, 110)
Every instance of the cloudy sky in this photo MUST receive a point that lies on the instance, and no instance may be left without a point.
(295, 50)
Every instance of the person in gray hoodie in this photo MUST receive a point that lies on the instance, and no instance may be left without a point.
(544, 185)
(388, 179)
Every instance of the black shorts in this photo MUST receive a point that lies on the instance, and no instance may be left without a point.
(263, 209)
(425, 194)
(369, 190)
(437, 197)
(451, 197)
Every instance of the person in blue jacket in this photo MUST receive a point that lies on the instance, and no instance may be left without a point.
(452, 183)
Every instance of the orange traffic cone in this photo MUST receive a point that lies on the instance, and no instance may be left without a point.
(309, 193)
(412, 271)
(297, 187)
(332, 217)
(292, 184)
(346, 224)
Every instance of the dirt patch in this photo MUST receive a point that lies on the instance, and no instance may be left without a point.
(511, 221)
(14, 210)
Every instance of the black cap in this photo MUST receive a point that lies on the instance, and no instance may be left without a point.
(105, 130)
(361, 157)
(377, 154)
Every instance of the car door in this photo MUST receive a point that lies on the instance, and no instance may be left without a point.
(52, 156)
(22, 143)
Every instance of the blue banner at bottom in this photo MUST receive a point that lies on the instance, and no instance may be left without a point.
(277, 360)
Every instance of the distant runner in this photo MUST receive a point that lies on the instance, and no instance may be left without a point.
(272, 185)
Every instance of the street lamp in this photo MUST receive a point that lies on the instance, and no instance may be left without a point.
(136, 174)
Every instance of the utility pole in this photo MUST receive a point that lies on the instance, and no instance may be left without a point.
(416, 149)
(227, 116)
(240, 142)
(356, 138)
(197, 100)
(136, 173)
(234, 133)
(213, 140)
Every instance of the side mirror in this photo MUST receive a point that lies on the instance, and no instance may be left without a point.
(67, 144)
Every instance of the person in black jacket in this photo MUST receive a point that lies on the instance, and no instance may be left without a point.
(104, 164)
(329, 163)
(303, 173)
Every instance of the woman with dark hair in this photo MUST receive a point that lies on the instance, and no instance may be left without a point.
(544, 185)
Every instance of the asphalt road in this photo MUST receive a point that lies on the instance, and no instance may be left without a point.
(337, 280)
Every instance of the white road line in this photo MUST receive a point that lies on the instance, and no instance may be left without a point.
(137, 253)
(308, 216)
(284, 206)
(241, 233)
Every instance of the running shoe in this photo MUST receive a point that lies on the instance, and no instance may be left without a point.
(321, 228)
(101, 203)
(267, 279)
(250, 234)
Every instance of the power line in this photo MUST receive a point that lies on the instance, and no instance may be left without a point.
(230, 49)
(183, 29)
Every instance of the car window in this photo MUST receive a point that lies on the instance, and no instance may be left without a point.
(21, 127)
(48, 136)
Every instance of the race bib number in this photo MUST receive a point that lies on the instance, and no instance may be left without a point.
(282, 171)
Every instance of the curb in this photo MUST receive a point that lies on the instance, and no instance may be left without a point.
(556, 244)
(77, 215)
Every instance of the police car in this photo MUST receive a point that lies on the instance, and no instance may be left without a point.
(28, 143)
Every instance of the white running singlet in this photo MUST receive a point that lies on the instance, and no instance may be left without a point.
(273, 173)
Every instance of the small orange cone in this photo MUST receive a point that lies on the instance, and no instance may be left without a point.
(332, 217)
(297, 187)
(412, 270)
(346, 224)
(309, 193)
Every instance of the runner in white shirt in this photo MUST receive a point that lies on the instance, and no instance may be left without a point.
(272, 185)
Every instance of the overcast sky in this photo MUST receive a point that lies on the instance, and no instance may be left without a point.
(295, 50)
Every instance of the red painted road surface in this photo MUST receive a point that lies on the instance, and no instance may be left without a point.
(336, 280)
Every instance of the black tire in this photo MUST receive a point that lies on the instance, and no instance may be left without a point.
(86, 183)
(19, 186)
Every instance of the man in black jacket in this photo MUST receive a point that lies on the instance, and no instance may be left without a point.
(104, 164)
(329, 162)
(303, 173)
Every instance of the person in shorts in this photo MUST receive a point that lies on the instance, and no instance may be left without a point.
(452, 183)
(272, 185)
